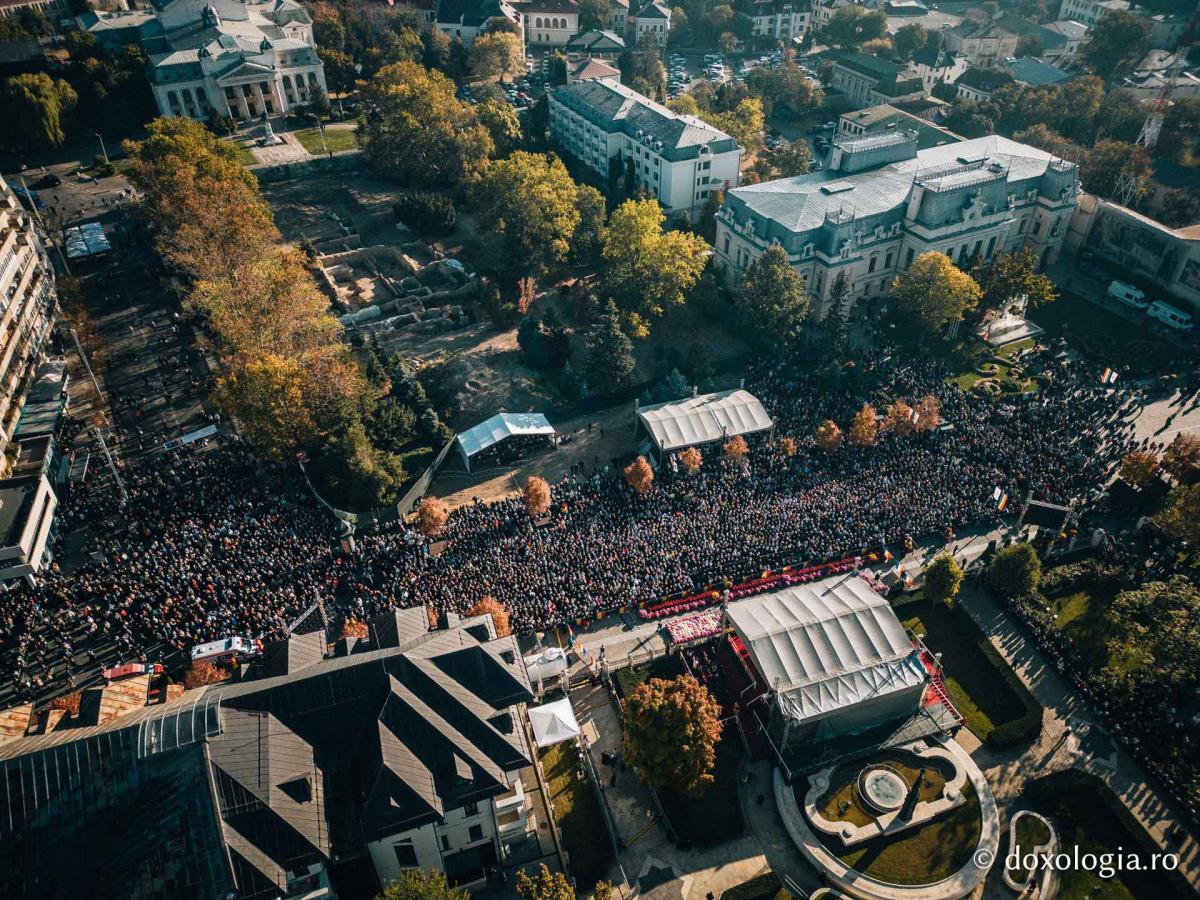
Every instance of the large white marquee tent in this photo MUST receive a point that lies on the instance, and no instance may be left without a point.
(699, 420)
(494, 430)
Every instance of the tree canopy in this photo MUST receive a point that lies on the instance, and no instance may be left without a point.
(671, 731)
(773, 298)
(41, 103)
(1016, 570)
(1118, 39)
(943, 578)
(935, 291)
(417, 884)
(531, 200)
(1008, 276)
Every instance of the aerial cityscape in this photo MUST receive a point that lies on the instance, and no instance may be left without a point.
(599, 449)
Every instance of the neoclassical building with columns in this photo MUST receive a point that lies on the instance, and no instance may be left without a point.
(881, 202)
(242, 59)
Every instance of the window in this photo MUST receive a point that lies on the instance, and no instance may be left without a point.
(908, 259)
(445, 842)
(1037, 227)
(991, 245)
(887, 263)
(406, 854)
(475, 833)
(726, 243)
(872, 264)
(1021, 227)
(471, 809)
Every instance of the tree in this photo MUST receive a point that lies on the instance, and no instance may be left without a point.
(266, 396)
(530, 199)
(588, 238)
(1046, 138)
(211, 220)
(642, 68)
(1181, 459)
(852, 26)
(340, 73)
(1138, 467)
(602, 891)
(355, 628)
(1103, 167)
(414, 129)
(1116, 39)
(608, 362)
(490, 606)
(935, 292)
(736, 449)
(970, 119)
(537, 496)
(1179, 207)
(773, 298)
(502, 124)
(546, 885)
(594, 15)
(646, 270)
(639, 475)
(790, 158)
(363, 475)
(787, 86)
(787, 446)
(203, 672)
(744, 123)
(691, 460)
(671, 731)
(943, 577)
(1015, 570)
(1180, 515)
(1154, 639)
(41, 104)
(1007, 276)
(1120, 116)
(707, 225)
(432, 517)
(929, 413)
(417, 884)
(1180, 130)
(900, 419)
(864, 428)
(497, 53)
(829, 437)
(909, 39)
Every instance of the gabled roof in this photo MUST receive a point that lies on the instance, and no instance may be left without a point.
(1034, 72)
(590, 69)
(708, 417)
(595, 42)
(501, 426)
(986, 80)
(471, 13)
(654, 10)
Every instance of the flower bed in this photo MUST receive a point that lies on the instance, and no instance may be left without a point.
(694, 628)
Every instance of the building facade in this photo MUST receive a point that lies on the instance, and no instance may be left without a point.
(54, 10)
(1088, 12)
(464, 20)
(882, 202)
(223, 57)
(786, 22)
(550, 23)
(869, 81)
(678, 159)
(652, 23)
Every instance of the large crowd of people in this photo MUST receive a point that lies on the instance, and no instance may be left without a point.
(219, 543)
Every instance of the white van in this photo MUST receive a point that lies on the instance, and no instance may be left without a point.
(1128, 294)
(1170, 316)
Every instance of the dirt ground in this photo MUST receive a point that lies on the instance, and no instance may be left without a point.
(317, 205)
(611, 435)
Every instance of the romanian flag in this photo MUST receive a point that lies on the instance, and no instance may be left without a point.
(1109, 377)
(1002, 502)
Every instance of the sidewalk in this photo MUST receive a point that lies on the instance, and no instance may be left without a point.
(1056, 748)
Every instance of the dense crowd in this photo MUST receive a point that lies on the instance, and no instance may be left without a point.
(221, 543)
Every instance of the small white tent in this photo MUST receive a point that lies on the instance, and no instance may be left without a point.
(553, 723)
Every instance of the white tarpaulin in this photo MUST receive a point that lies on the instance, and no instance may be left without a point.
(499, 427)
(709, 417)
(827, 645)
(553, 723)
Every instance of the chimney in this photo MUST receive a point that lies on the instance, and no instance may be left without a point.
(695, 391)
(15, 722)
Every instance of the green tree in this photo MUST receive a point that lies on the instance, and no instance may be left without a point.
(531, 200)
(647, 270)
(790, 158)
(502, 124)
(497, 53)
(362, 475)
(671, 732)
(773, 298)
(1155, 638)
(785, 86)
(642, 69)
(935, 291)
(414, 129)
(909, 39)
(1120, 116)
(1118, 39)
(589, 233)
(608, 361)
(1015, 571)
(970, 119)
(1103, 167)
(707, 225)
(41, 104)
(943, 578)
(1180, 516)
(1007, 276)
(852, 26)
(1045, 138)
(546, 885)
(417, 884)
(595, 15)
(1180, 130)
(744, 123)
(340, 74)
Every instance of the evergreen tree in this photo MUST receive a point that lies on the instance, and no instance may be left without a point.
(609, 364)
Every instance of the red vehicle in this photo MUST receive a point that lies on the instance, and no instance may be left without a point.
(128, 670)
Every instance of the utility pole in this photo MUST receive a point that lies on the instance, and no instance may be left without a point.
(87, 365)
(112, 467)
(42, 225)
(102, 149)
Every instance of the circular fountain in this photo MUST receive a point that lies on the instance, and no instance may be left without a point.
(882, 788)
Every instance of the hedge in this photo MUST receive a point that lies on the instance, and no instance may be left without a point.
(762, 887)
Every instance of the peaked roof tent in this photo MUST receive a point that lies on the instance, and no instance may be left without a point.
(709, 417)
(503, 425)
(827, 645)
(553, 723)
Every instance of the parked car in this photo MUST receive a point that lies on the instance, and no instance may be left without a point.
(1128, 294)
(49, 180)
(1171, 316)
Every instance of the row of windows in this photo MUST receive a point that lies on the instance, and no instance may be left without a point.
(549, 22)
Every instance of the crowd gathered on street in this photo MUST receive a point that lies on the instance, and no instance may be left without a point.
(220, 543)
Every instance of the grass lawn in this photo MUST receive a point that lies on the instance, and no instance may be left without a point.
(920, 856)
(1031, 833)
(1080, 610)
(630, 677)
(577, 812)
(983, 697)
(245, 157)
(1074, 804)
(761, 887)
(716, 816)
(336, 139)
(842, 803)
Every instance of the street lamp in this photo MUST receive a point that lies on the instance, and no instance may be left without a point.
(321, 128)
(102, 148)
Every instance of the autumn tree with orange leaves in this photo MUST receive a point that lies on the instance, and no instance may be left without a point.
(639, 475)
(537, 496)
(494, 608)
(691, 460)
(432, 517)
(829, 437)
(864, 428)
(737, 449)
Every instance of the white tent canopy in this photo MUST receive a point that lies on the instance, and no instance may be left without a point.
(553, 723)
(698, 420)
(497, 428)
(827, 645)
